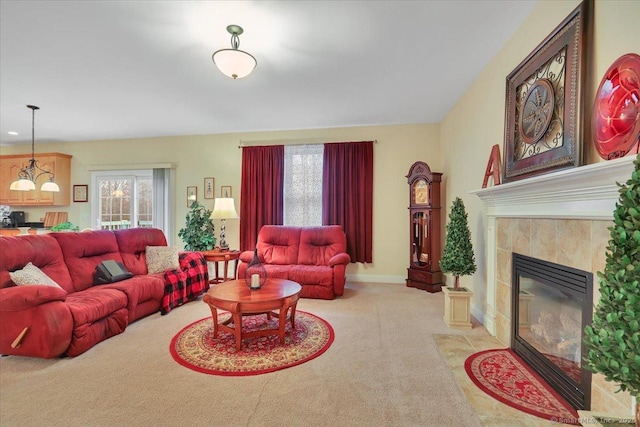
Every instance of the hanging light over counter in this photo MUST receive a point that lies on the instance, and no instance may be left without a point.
(28, 175)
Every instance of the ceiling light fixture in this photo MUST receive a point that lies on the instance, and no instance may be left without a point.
(28, 175)
(234, 62)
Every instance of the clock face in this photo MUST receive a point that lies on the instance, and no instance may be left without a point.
(421, 192)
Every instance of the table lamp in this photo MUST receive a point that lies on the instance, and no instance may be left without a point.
(224, 209)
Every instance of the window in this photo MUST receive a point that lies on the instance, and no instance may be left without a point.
(303, 185)
(130, 198)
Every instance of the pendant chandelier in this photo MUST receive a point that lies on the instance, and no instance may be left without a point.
(28, 175)
(234, 62)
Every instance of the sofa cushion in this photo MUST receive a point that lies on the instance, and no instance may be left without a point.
(277, 271)
(278, 244)
(162, 258)
(42, 251)
(84, 251)
(31, 275)
(94, 304)
(319, 244)
(139, 290)
(133, 243)
(311, 274)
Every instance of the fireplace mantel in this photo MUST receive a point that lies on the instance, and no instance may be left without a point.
(586, 192)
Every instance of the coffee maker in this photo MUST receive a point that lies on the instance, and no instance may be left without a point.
(17, 219)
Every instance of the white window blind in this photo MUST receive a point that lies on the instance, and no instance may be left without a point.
(303, 184)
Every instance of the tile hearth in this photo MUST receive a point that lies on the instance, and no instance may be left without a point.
(455, 349)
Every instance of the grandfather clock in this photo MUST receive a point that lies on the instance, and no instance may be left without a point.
(424, 228)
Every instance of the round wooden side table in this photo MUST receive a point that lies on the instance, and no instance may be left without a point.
(216, 257)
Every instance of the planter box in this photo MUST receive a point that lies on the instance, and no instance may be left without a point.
(457, 307)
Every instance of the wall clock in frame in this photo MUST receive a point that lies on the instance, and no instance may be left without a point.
(543, 106)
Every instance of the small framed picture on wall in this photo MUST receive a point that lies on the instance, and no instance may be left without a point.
(192, 195)
(209, 188)
(80, 193)
(225, 191)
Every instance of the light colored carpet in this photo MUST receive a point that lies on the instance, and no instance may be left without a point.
(383, 369)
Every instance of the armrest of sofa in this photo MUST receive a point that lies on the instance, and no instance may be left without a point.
(186, 284)
(339, 259)
(246, 256)
(18, 298)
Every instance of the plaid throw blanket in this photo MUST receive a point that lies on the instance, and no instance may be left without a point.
(186, 284)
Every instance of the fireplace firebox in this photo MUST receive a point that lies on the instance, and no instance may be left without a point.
(551, 305)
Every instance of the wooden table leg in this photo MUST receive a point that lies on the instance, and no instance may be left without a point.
(237, 319)
(226, 267)
(282, 318)
(214, 315)
(237, 325)
(235, 270)
(293, 315)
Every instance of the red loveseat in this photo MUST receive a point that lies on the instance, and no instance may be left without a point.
(75, 316)
(314, 257)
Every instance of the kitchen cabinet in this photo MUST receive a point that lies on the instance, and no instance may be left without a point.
(57, 163)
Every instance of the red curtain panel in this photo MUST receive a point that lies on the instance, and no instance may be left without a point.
(261, 191)
(347, 195)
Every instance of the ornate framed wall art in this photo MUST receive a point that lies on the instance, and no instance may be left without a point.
(543, 117)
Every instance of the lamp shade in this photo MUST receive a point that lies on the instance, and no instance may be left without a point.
(50, 186)
(234, 63)
(224, 208)
(22, 185)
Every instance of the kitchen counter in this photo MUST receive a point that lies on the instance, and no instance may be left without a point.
(8, 231)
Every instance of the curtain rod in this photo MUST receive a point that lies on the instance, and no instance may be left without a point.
(289, 142)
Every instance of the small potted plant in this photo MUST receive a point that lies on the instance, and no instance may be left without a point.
(458, 259)
(65, 226)
(613, 338)
(198, 233)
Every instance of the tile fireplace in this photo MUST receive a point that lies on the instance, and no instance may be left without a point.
(551, 305)
(562, 218)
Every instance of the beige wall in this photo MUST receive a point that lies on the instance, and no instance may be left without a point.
(476, 122)
(459, 147)
(218, 156)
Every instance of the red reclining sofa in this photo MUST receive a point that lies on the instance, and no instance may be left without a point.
(314, 257)
(71, 320)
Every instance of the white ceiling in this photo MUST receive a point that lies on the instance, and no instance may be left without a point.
(131, 69)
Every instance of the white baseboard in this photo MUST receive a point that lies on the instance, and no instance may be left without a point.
(375, 278)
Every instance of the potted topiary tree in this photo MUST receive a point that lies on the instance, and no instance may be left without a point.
(613, 338)
(458, 258)
(198, 233)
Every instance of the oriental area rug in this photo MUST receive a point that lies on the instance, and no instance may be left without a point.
(504, 376)
(195, 347)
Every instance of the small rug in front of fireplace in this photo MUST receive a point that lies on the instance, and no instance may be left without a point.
(504, 376)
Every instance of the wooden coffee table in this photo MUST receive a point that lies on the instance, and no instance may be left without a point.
(275, 298)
